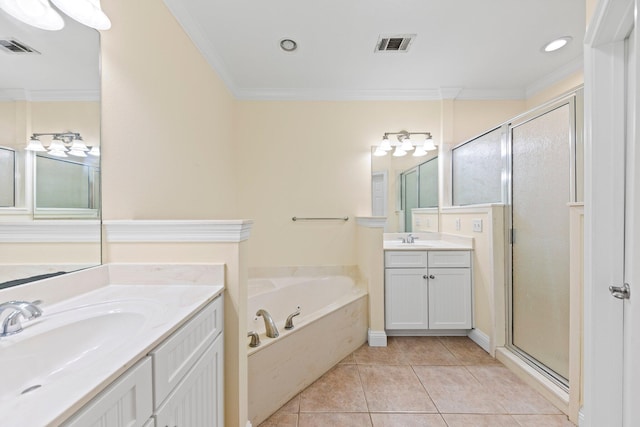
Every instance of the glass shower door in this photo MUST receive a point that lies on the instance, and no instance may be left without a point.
(541, 188)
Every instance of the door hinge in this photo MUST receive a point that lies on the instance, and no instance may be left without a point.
(621, 292)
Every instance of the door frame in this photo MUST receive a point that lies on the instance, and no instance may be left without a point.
(604, 211)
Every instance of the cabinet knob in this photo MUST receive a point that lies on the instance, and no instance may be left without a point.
(432, 277)
(425, 277)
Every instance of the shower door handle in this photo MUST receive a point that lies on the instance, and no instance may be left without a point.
(620, 292)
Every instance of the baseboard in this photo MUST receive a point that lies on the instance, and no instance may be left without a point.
(377, 338)
(481, 339)
(581, 419)
(249, 424)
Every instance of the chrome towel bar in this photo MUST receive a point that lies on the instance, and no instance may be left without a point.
(344, 218)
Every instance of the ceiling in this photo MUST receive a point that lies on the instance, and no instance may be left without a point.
(463, 48)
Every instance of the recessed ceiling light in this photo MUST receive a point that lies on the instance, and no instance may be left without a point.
(557, 44)
(288, 45)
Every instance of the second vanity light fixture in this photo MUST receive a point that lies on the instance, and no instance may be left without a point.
(61, 144)
(422, 142)
(40, 13)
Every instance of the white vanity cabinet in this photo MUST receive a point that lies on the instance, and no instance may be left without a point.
(428, 290)
(178, 384)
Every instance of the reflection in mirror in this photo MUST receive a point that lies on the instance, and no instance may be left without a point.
(49, 206)
(401, 184)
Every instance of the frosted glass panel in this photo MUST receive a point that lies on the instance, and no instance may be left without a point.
(477, 170)
(7, 178)
(62, 184)
(428, 189)
(540, 282)
(409, 196)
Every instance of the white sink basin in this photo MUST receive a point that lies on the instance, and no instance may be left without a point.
(60, 344)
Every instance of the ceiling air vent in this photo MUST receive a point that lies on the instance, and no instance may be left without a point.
(395, 43)
(14, 46)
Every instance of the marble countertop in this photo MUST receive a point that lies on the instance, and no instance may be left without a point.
(426, 242)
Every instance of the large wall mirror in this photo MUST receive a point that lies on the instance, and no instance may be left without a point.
(49, 200)
(401, 186)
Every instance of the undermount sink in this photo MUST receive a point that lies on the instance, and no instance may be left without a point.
(65, 342)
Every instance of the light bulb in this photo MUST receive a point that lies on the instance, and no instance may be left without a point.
(37, 13)
(87, 12)
(379, 152)
(399, 152)
(385, 144)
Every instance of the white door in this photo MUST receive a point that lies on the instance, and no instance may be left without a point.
(611, 385)
(379, 194)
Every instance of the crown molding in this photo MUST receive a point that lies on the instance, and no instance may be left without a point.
(557, 76)
(193, 30)
(54, 231)
(184, 231)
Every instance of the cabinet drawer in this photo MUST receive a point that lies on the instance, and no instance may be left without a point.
(449, 259)
(173, 358)
(405, 259)
(125, 403)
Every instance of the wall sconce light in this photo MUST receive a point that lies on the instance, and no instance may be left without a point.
(61, 144)
(421, 142)
(40, 13)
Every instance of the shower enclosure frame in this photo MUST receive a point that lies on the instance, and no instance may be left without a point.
(572, 99)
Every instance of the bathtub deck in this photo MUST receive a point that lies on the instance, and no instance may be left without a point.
(419, 381)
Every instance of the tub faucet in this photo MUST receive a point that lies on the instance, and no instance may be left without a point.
(255, 339)
(11, 324)
(269, 324)
(289, 323)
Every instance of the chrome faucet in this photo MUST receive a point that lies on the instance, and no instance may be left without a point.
(11, 324)
(289, 323)
(269, 324)
(411, 239)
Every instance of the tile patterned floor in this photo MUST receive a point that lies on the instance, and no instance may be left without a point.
(419, 382)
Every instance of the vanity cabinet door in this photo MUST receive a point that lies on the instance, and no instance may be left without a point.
(125, 403)
(405, 292)
(450, 298)
(197, 401)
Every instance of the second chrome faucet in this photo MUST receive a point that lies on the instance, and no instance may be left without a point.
(269, 324)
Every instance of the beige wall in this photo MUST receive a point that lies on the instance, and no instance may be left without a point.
(167, 121)
(566, 85)
(312, 159)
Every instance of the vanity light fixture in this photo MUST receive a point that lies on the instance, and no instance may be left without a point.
(40, 13)
(556, 44)
(421, 142)
(61, 144)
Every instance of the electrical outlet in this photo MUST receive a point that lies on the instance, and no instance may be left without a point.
(457, 224)
(477, 225)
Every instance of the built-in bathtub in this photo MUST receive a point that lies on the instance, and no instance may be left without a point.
(332, 324)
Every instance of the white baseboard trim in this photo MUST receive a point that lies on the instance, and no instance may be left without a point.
(480, 338)
(249, 424)
(377, 338)
(581, 419)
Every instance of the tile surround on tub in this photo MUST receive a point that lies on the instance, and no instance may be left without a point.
(142, 274)
(305, 271)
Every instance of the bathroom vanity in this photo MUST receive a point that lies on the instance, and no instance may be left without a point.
(129, 351)
(428, 285)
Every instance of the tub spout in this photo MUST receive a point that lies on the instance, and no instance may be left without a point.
(255, 339)
(289, 323)
(269, 324)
